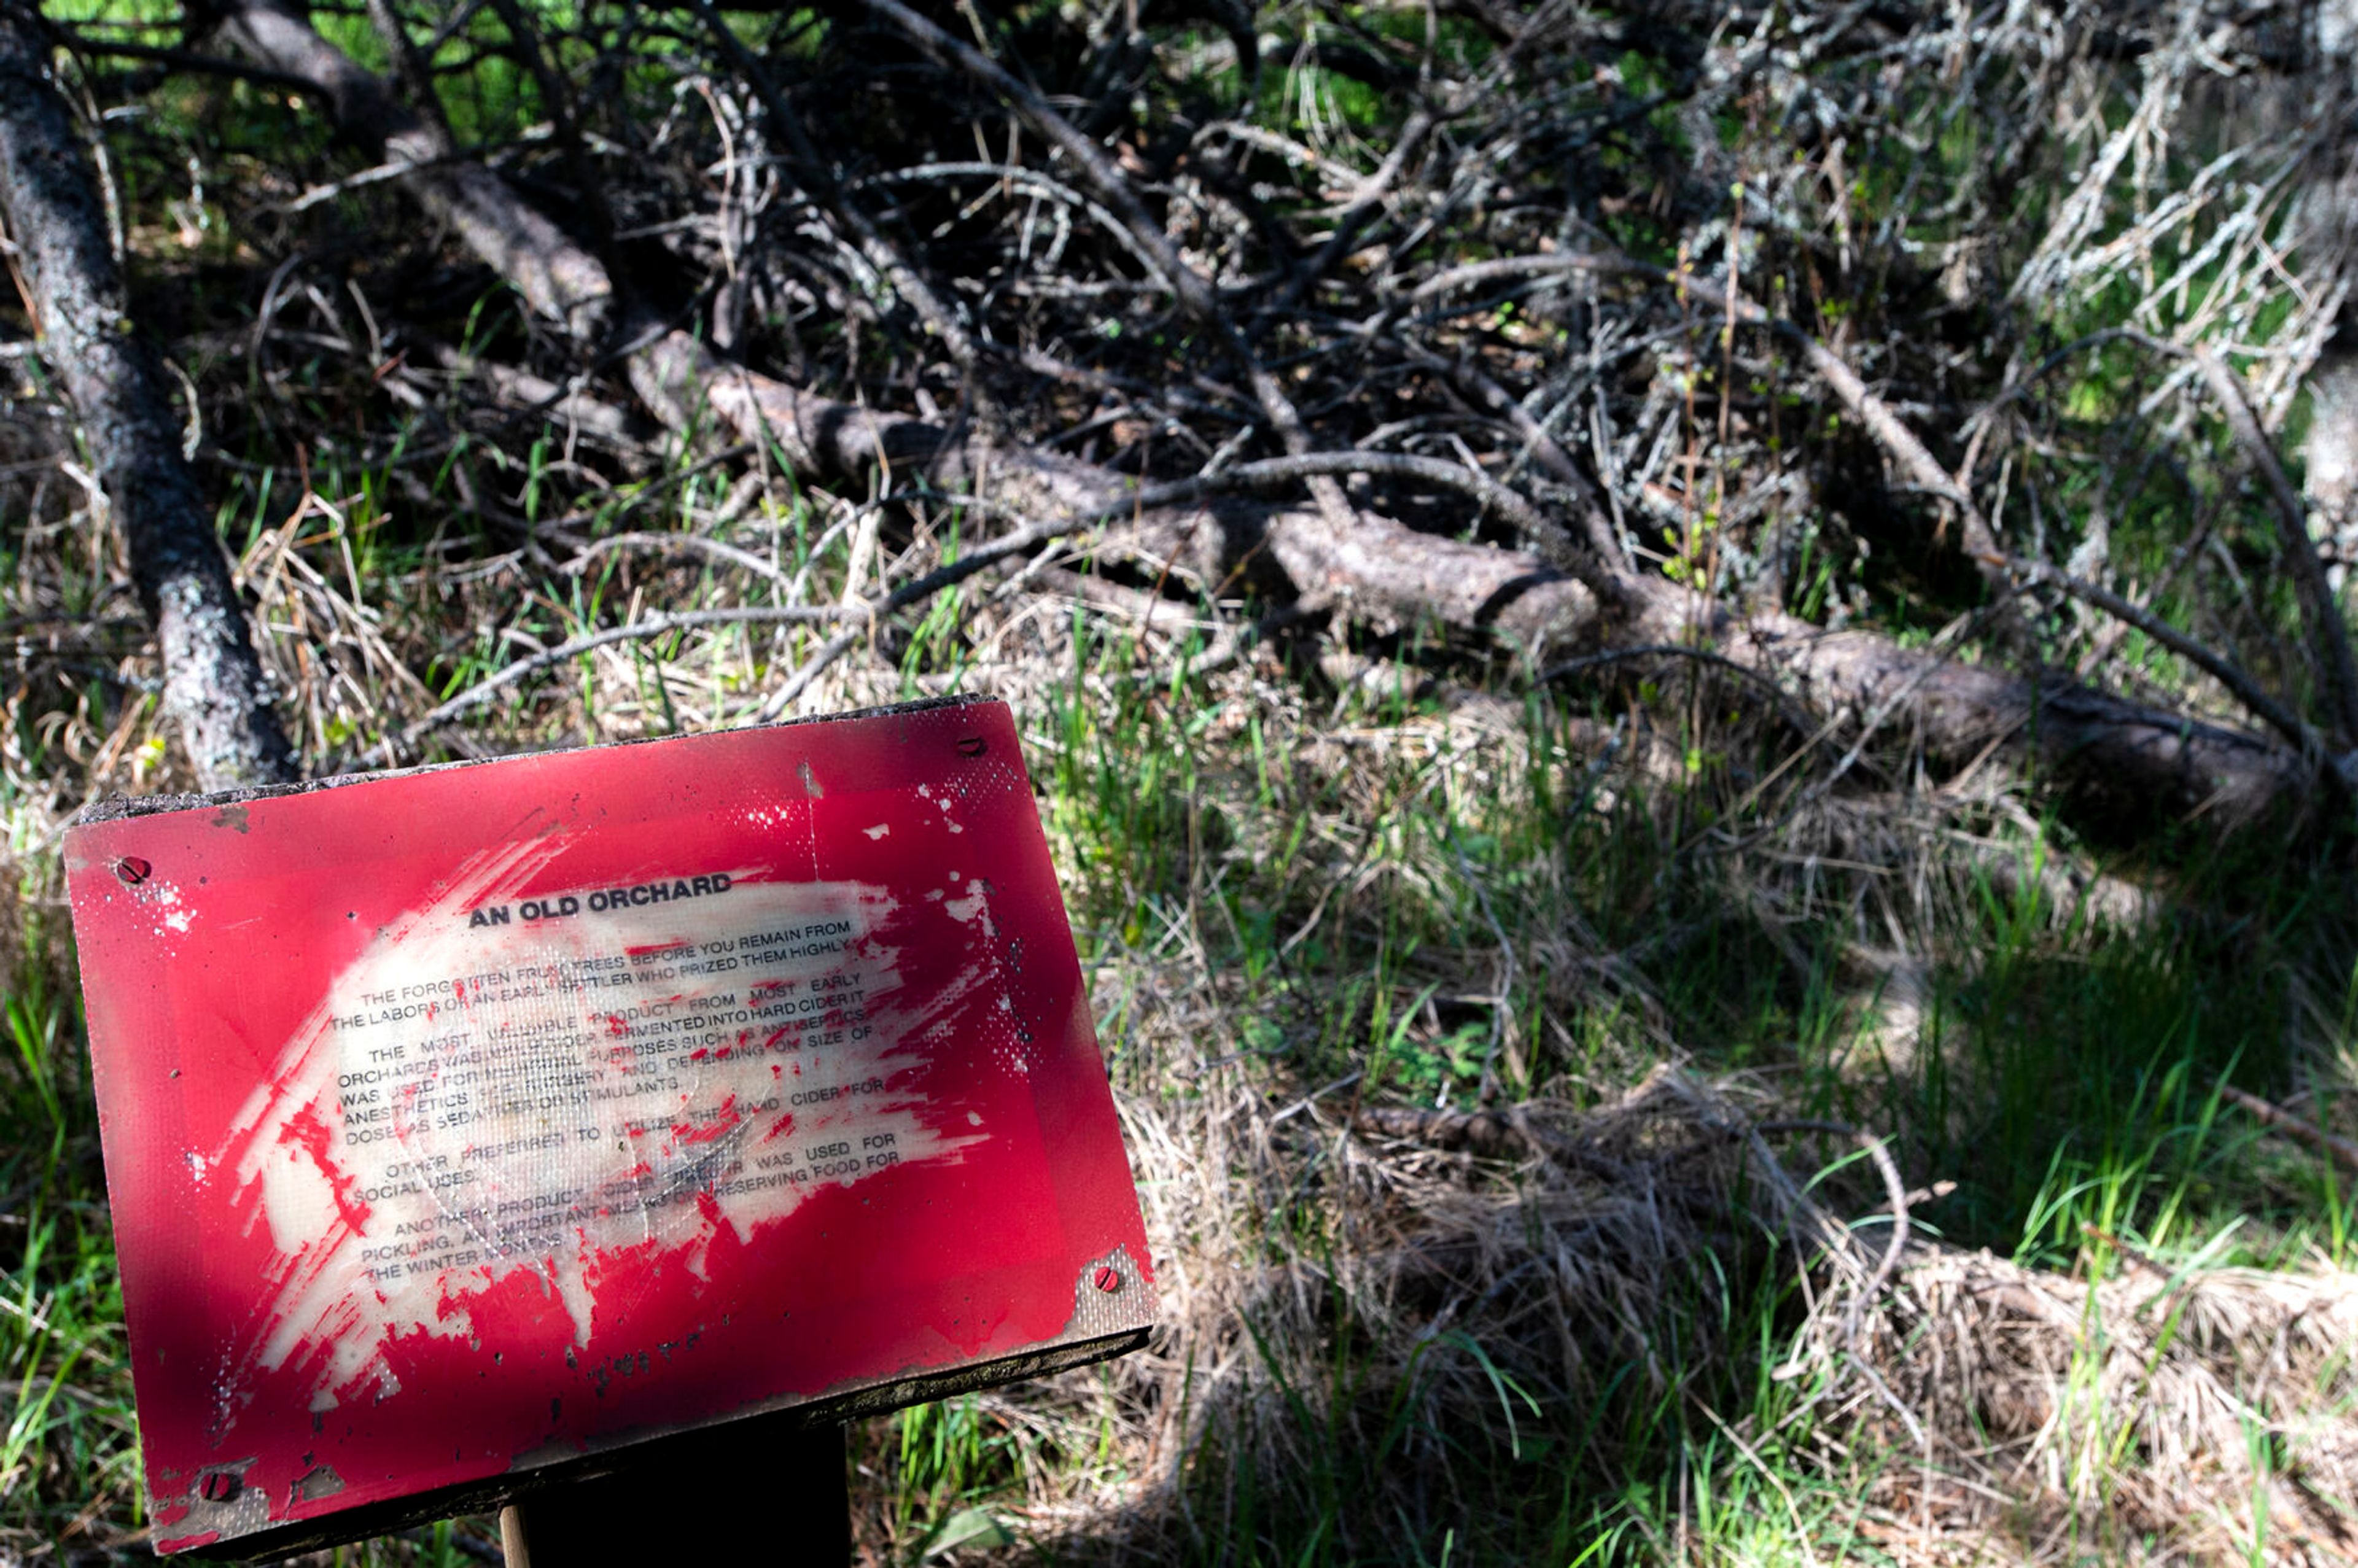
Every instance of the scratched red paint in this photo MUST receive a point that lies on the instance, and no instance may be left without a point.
(412, 1191)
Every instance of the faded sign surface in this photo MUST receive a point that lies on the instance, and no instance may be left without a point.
(463, 1122)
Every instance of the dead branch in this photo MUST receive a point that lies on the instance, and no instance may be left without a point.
(1329, 554)
(2328, 633)
(2277, 1120)
(2247, 691)
(559, 279)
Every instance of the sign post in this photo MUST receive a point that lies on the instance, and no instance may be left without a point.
(639, 1111)
(742, 1498)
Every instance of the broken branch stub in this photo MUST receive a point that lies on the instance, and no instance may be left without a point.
(588, 1099)
(214, 686)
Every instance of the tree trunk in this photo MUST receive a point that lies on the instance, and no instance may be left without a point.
(213, 685)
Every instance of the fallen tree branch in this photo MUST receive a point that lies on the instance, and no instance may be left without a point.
(1277, 473)
(2276, 1119)
(676, 545)
(2329, 637)
(2136, 756)
(2246, 690)
(1890, 432)
(1478, 388)
(1997, 564)
(557, 278)
(181, 60)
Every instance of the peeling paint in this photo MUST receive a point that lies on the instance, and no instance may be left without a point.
(317, 1483)
(554, 1094)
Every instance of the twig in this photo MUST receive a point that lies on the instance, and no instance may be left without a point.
(2247, 691)
(183, 59)
(694, 544)
(1877, 1148)
(493, 684)
(1503, 267)
(939, 46)
(2277, 1120)
(1314, 1097)
(1354, 218)
(1486, 394)
(910, 592)
(1890, 432)
(2329, 637)
(865, 612)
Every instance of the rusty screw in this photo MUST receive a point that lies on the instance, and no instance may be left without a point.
(1108, 1278)
(973, 746)
(130, 871)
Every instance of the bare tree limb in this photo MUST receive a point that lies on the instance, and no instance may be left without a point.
(181, 60)
(2155, 759)
(2246, 690)
(1490, 397)
(1890, 432)
(2275, 1117)
(2329, 637)
(659, 625)
(557, 278)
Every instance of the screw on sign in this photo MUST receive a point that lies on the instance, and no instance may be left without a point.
(584, 1130)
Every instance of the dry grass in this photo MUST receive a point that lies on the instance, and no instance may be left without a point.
(1973, 1409)
(2184, 1413)
(1445, 1023)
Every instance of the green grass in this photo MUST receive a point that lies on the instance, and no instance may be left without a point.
(2068, 1085)
(67, 1446)
(1345, 872)
(1364, 902)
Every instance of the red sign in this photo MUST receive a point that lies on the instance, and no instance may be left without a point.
(465, 1122)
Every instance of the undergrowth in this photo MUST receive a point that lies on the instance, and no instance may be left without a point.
(1380, 888)
(1318, 877)
(1315, 875)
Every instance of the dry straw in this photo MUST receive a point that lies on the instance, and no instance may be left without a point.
(1977, 1410)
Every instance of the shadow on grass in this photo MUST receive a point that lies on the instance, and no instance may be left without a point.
(1416, 1347)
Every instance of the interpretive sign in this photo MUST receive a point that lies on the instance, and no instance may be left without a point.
(464, 1122)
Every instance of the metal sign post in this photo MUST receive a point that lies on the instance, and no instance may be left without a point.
(620, 1116)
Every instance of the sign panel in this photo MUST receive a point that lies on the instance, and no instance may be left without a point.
(464, 1122)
